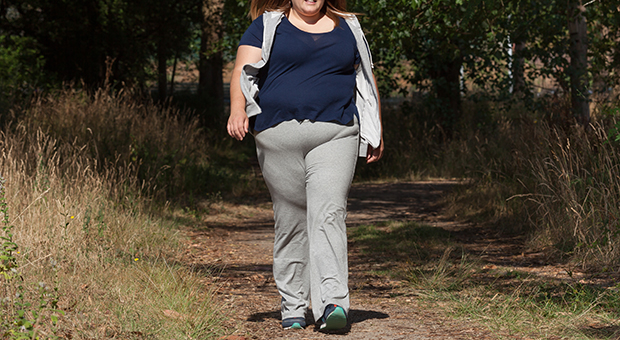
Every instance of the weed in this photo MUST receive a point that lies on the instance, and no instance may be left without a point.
(516, 303)
(8, 263)
(444, 275)
(22, 319)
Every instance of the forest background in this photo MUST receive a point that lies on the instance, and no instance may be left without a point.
(101, 145)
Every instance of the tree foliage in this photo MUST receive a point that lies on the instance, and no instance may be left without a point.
(20, 68)
(429, 43)
(90, 40)
(435, 46)
(441, 49)
(236, 21)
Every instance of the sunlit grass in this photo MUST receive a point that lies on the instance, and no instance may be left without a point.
(510, 303)
(87, 226)
(537, 308)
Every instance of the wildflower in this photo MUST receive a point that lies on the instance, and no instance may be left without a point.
(72, 217)
(136, 259)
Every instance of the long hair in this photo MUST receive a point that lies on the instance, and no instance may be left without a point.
(332, 8)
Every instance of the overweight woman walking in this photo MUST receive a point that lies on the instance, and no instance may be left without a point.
(303, 85)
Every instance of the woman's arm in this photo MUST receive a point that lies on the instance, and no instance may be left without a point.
(373, 154)
(238, 122)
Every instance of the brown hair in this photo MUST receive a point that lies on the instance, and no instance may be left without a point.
(332, 8)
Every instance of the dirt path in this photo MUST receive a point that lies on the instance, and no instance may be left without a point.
(236, 242)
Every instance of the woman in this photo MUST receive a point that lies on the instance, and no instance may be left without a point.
(303, 84)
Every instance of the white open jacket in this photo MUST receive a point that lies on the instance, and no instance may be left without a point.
(366, 98)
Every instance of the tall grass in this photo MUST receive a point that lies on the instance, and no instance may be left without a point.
(163, 147)
(80, 176)
(530, 172)
(578, 196)
(559, 184)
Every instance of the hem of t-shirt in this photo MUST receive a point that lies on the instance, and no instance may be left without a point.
(335, 121)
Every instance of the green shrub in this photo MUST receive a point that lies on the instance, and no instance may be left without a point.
(21, 68)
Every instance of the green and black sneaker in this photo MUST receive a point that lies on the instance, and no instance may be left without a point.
(294, 323)
(334, 318)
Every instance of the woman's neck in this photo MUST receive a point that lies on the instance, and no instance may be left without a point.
(319, 23)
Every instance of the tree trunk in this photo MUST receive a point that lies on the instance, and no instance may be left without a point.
(447, 88)
(161, 72)
(578, 70)
(518, 69)
(211, 62)
(174, 73)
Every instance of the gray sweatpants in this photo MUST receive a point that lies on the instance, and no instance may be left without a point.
(308, 168)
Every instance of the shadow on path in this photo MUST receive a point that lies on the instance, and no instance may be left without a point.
(355, 316)
(374, 203)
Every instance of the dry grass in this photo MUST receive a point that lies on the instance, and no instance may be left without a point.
(516, 306)
(84, 224)
(532, 172)
(558, 184)
(578, 197)
(511, 303)
(157, 144)
(561, 186)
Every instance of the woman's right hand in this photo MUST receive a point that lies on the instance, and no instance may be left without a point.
(238, 124)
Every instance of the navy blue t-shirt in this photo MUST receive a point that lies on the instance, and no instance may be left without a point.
(308, 75)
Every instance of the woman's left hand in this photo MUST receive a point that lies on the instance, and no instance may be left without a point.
(373, 154)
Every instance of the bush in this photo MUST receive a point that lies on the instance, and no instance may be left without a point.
(21, 68)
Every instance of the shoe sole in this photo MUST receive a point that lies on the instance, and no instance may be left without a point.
(335, 320)
(295, 326)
